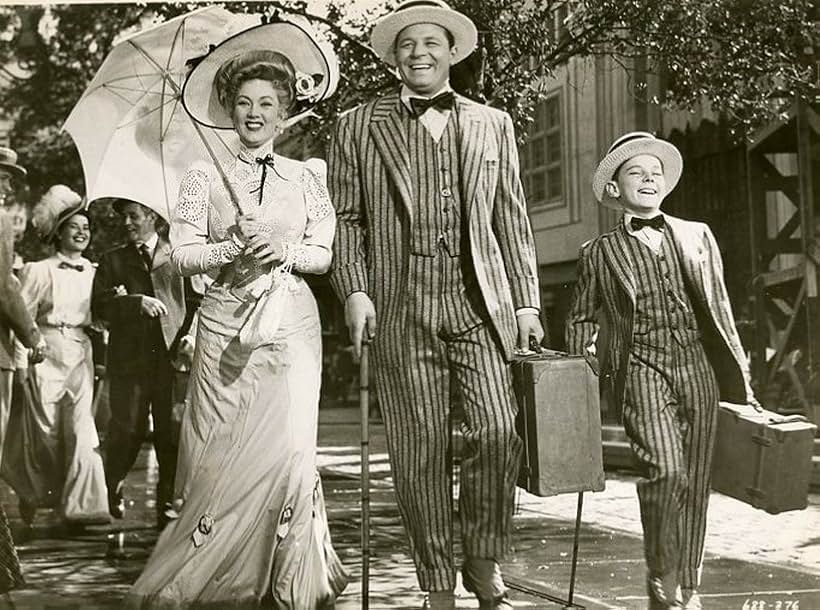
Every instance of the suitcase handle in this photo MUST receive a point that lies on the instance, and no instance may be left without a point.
(539, 352)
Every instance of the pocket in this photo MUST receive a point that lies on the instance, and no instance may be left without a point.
(490, 177)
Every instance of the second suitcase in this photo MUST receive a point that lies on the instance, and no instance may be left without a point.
(763, 459)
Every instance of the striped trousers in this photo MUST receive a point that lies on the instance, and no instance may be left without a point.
(670, 415)
(445, 345)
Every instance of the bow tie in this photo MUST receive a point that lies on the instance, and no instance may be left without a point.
(66, 265)
(656, 222)
(443, 101)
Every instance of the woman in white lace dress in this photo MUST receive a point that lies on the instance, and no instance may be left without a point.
(251, 530)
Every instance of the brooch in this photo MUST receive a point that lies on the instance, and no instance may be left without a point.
(203, 530)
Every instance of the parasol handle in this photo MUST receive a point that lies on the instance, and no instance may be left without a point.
(228, 186)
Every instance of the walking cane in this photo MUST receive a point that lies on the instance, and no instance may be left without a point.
(364, 403)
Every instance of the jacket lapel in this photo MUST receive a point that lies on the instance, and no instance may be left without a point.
(387, 130)
(617, 256)
(692, 257)
(472, 136)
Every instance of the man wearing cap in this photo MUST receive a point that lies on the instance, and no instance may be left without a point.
(14, 318)
(434, 246)
(656, 283)
(144, 301)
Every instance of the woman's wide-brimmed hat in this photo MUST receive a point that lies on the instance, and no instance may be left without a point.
(8, 160)
(315, 63)
(412, 12)
(56, 205)
(630, 145)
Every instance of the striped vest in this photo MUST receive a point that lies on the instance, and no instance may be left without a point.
(664, 313)
(434, 176)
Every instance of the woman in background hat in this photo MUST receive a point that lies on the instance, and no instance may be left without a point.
(53, 459)
(252, 530)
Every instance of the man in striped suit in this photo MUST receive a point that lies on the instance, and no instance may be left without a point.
(655, 282)
(434, 244)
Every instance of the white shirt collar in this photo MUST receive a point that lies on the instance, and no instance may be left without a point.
(151, 242)
(249, 155)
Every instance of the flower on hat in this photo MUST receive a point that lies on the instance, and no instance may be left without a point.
(56, 205)
(307, 86)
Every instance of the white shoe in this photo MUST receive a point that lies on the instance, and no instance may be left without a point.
(439, 600)
(691, 600)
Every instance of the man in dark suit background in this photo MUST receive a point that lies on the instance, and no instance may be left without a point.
(146, 304)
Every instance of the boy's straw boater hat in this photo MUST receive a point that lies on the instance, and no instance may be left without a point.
(630, 145)
(314, 61)
(8, 160)
(413, 12)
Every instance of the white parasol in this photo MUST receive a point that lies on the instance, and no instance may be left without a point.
(134, 137)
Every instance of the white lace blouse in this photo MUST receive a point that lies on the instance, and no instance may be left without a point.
(294, 206)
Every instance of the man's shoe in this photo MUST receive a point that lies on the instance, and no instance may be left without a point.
(116, 503)
(482, 577)
(439, 600)
(663, 592)
(691, 600)
(27, 511)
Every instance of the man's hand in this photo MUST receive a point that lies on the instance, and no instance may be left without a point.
(152, 307)
(39, 352)
(754, 402)
(360, 317)
(529, 327)
(185, 353)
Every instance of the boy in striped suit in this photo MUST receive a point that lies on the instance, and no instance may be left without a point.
(656, 283)
(434, 243)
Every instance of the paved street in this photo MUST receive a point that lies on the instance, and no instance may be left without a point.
(754, 560)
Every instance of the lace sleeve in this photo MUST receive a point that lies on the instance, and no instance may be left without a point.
(191, 252)
(313, 254)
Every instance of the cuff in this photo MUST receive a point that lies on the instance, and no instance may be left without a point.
(349, 279)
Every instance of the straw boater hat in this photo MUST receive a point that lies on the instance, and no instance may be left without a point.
(412, 12)
(315, 63)
(57, 204)
(8, 160)
(628, 146)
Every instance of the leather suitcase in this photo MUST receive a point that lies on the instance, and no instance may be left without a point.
(559, 420)
(763, 459)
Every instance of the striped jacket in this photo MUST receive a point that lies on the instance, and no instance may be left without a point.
(370, 185)
(605, 300)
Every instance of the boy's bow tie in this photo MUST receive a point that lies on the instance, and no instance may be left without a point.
(656, 222)
(443, 101)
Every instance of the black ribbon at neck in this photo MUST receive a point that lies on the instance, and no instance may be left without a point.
(67, 265)
(265, 162)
